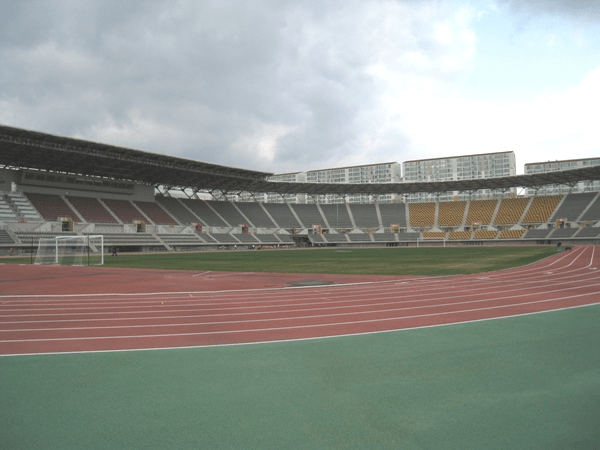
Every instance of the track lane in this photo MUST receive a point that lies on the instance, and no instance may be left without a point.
(108, 322)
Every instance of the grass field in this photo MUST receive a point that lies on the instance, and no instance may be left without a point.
(366, 261)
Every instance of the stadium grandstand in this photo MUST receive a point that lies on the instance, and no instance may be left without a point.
(142, 201)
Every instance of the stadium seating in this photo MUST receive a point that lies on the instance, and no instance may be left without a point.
(451, 213)
(175, 215)
(268, 238)
(403, 237)
(308, 214)
(224, 238)
(541, 209)
(511, 210)
(124, 210)
(335, 238)
(537, 234)
(316, 238)
(573, 206)
(434, 234)
(246, 238)
(181, 239)
(6, 238)
(51, 207)
(207, 238)
(7, 214)
(178, 210)
(228, 212)
(393, 213)
(485, 234)
(91, 209)
(589, 232)
(204, 213)
(131, 239)
(385, 237)
(359, 237)
(511, 234)
(15, 206)
(155, 213)
(365, 215)
(593, 212)
(256, 214)
(285, 238)
(421, 215)
(31, 238)
(562, 233)
(460, 235)
(282, 214)
(337, 215)
(481, 212)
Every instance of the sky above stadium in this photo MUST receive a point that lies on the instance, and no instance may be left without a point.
(285, 86)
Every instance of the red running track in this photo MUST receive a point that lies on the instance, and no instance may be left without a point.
(61, 309)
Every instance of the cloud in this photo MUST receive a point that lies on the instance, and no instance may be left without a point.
(588, 10)
(547, 126)
(304, 82)
(266, 84)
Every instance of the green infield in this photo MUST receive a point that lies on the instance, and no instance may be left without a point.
(366, 261)
(363, 261)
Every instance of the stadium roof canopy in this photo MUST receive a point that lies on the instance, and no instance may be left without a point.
(33, 150)
(24, 149)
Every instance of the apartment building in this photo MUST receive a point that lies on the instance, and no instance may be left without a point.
(467, 167)
(569, 164)
(389, 172)
(292, 177)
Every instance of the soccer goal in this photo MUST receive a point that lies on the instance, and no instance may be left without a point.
(431, 242)
(71, 250)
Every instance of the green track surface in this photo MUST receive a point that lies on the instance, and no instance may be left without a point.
(529, 382)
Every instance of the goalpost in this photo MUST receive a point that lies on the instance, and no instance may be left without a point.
(431, 242)
(71, 250)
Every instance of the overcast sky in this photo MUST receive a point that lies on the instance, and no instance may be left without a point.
(285, 86)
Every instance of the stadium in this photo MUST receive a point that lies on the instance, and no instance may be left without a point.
(56, 186)
(114, 357)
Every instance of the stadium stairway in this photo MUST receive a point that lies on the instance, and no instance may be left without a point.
(493, 220)
(110, 211)
(247, 220)
(525, 211)
(269, 215)
(323, 215)
(379, 219)
(354, 227)
(216, 212)
(80, 217)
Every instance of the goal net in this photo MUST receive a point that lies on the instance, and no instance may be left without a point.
(71, 250)
(431, 242)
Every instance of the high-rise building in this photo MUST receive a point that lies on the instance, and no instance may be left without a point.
(293, 177)
(455, 168)
(569, 164)
(389, 172)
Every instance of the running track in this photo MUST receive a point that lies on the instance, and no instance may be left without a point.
(42, 309)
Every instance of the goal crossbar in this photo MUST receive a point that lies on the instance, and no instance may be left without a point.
(71, 250)
(433, 241)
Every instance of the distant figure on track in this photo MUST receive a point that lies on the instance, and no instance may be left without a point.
(558, 249)
(114, 250)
